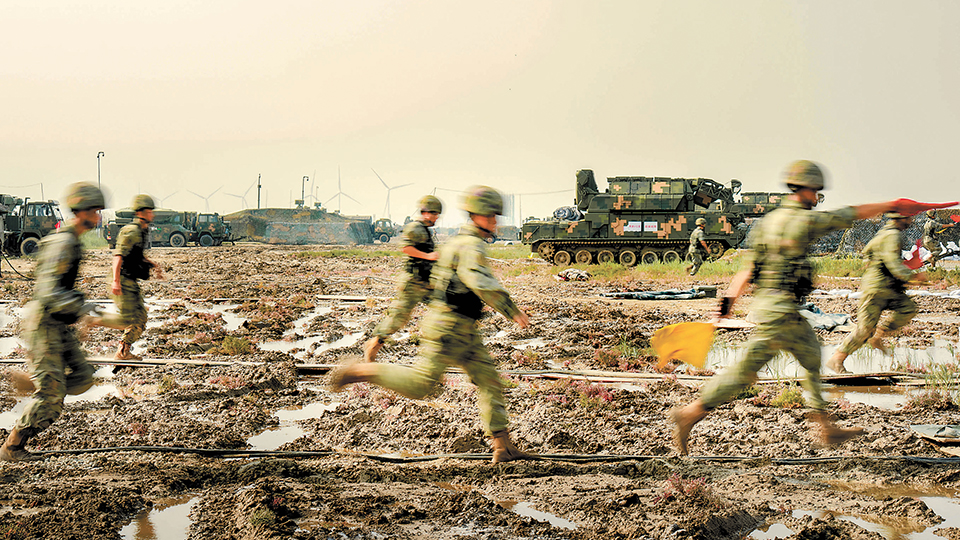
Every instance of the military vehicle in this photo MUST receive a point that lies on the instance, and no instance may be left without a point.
(300, 226)
(26, 222)
(639, 219)
(174, 228)
(383, 229)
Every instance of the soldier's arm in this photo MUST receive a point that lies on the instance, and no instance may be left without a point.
(415, 233)
(891, 257)
(476, 275)
(58, 300)
(411, 251)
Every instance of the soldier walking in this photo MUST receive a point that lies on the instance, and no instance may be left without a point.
(779, 268)
(419, 245)
(462, 283)
(883, 289)
(130, 265)
(56, 364)
(696, 242)
(931, 237)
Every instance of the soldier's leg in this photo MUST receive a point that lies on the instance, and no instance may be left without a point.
(802, 342)
(47, 371)
(935, 252)
(132, 310)
(482, 371)
(765, 342)
(697, 262)
(410, 294)
(868, 315)
(80, 376)
(904, 310)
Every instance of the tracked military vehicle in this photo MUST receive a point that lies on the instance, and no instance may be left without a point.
(641, 219)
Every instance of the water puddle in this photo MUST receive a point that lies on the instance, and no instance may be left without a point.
(231, 321)
(169, 519)
(287, 430)
(882, 397)
(10, 416)
(534, 343)
(526, 509)
(306, 343)
(9, 344)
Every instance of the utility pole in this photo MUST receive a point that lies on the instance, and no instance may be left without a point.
(99, 154)
(258, 191)
(302, 192)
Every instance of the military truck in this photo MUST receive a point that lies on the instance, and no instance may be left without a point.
(383, 229)
(638, 219)
(26, 222)
(174, 228)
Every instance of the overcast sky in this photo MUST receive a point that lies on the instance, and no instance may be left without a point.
(198, 96)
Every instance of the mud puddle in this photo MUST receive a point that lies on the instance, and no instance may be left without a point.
(287, 429)
(102, 388)
(889, 398)
(526, 509)
(169, 519)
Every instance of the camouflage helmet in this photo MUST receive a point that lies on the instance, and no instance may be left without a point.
(429, 203)
(897, 215)
(143, 201)
(483, 200)
(84, 196)
(804, 173)
(701, 221)
(931, 213)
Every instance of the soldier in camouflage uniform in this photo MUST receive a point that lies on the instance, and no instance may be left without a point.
(696, 242)
(130, 264)
(419, 244)
(778, 266)
(883, 288)
(55, 361)
(931, 231)
(462, 283)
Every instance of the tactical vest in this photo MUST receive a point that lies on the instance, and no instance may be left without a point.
(774, 270)
(896, 285)
(420, 268)
(135, 265)
(69, 278)
(449, 289)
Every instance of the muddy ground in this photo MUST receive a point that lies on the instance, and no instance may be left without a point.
(347, 476)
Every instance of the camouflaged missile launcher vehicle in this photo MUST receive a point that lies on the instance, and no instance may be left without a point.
(300, 226)
(640, 219)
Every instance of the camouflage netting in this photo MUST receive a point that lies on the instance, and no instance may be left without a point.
(298, 226)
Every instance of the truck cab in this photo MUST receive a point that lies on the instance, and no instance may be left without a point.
(27, 222)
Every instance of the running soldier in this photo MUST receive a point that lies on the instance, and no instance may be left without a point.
(130, 265)
(462, 283)
(419, 244)
(55, 361)
(696, 242)
(882, 287)
(931, 237)
(779, 268)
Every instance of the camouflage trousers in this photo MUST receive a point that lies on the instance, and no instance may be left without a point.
(872, 305)
(57, 367)
(411, 292)
(133, 314)
(935, 250)
(787, 332)
(695, 259)
(450, 340)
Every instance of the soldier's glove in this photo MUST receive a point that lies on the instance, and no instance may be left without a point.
(726, 304)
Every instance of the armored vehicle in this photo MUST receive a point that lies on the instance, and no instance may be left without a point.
(300, 226)
(174, 228)
(638, 219)
(26, 222)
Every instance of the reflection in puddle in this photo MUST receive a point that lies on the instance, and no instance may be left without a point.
(526, 509)
(231, 321)
(169, 519)
(9, 417)
(769, 532)
(882, 397)
(287, 430)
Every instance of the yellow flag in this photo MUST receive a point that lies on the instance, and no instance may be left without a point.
(688, 342)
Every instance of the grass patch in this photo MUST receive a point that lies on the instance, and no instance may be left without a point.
(92, 240)
(232, 346)
(516, 251)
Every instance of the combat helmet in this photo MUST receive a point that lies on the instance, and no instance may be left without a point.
(804, 173)
(143, 201)
(429, 203)
(897, 215)
(482, 200)
(85, 196)
(701, 221)
(931, 213)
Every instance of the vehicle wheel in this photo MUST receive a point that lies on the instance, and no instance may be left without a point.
(177, 240)
(648, 256)
(546, 251)
(671, 256)
(628, 257)
(206, 240)
(584, 257)
(561, 258)
(715, 250)
(605, 256)
(384, 238)
(29, 246)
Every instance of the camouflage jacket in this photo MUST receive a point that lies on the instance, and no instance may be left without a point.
(695, 238)
(930, 230)
(885, 268)
(416, 234)
(132, 240)
(462, 269)
(58, 264)
(778, 259)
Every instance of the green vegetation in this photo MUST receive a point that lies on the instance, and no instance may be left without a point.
(232, 346)
(790, 397)
(516, 251)
(92, 240)
(167, 384)
(839, 267)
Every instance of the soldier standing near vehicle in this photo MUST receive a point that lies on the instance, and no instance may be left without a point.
(778, 266)
(419, 244)
(55, 361)
(931, 233)
(883, 288)
(130, 265)
(696, 242)
(462, 283)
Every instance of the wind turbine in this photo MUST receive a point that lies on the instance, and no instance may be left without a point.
(207, 198)
(161, 199)
(243, 198)
(386, 207)
(340, 193)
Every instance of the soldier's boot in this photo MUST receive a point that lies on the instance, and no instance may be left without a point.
(371, 348)
(13, 449)
(830, 434)
(505, 450)
(351, 374)
(123, 353)
(685, 419)
(835, 362)
(877, 343)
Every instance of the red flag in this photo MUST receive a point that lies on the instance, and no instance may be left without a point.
(955, 218)
(914, 261)
(910, 207)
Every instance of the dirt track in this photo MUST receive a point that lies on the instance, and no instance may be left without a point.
(653, 494)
